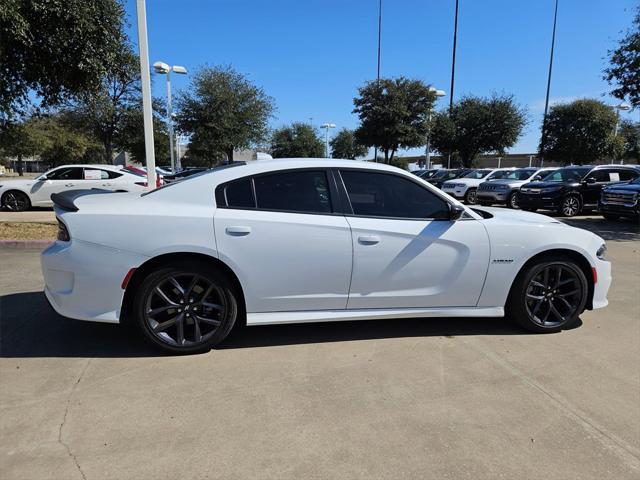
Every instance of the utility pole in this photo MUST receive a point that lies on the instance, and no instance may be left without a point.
(453, 71)
(543, 139)
(375, 150)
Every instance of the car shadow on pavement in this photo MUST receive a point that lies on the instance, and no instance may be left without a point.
(623, 230)
(30, 328)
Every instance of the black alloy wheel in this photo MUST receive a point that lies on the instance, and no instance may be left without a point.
(185, 309)
(15, 201)
(549, 296)
(570, 206)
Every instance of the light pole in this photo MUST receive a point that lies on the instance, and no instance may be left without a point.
(543, 138)
(145, 77)
(327, 126)
(438, 94)
(164, 69)
(375, 149)
(620, 107)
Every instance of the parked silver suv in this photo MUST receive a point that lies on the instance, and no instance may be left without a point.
(505, 190)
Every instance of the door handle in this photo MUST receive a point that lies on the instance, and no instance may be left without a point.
(238, 231)
(69, 184)
(368, 239)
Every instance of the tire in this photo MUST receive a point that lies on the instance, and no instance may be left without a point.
(15, 201)
(512, 200)
(570, 206)
(531, 296)
(610, 216)
(470, 196)
(181, 326)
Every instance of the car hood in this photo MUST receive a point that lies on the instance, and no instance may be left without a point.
(517, 216)
(468, 181)
(550, 184)
(627, 187)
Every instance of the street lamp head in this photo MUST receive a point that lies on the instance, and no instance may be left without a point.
(328, 125)
(161, 67)
(179, 69)
(623, 106)
(436, 92)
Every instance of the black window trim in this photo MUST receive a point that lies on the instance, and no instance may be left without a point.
(348, 212)
(333, 192)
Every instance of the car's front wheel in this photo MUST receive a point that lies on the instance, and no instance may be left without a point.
(549, 295)
(512, 201)
(15, 201)
(471, 196)
(570, 206)
(185, 308)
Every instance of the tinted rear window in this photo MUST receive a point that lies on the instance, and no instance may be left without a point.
(302, 191)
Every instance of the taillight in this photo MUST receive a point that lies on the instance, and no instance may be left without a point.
(63, 232)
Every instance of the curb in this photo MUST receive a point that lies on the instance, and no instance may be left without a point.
(24, 244)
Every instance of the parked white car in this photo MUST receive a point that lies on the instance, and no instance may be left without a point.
(466, 187)
(22, 194)
(310, 240)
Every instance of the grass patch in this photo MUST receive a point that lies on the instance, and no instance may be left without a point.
(28, 231)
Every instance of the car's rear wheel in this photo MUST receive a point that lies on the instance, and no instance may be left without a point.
(470, 197)
(185, 308)
(16, 201)
(570, 206)
(512, 201)
(549, 295)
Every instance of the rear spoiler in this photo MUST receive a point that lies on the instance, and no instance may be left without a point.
(66, 200)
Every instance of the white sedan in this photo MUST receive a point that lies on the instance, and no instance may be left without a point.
(22, 194)
(305, 240)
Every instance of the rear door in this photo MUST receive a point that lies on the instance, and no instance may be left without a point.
(282, 236)
(407, 254)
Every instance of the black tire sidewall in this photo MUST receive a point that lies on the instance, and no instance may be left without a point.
(16, 192)
(510, 198)
(211, 274)
(516, 309)
(466, 196)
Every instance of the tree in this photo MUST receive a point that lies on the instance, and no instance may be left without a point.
(130, 134)
(478, 125)
(630, 133)
(298, 140)
(103, 113)
(56, 49)
(223, 111)
(393, 114)
(345, 145)
(19, 140)
(581, 132)
(624, 65)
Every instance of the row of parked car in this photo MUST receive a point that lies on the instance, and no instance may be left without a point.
(613, 190)
(22, 194)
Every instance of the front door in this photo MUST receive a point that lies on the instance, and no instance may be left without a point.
(407, 254)
(289, 249)
(59, 180)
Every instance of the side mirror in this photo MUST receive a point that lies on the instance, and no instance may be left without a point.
(590, 180)
(537, 178)
(455, 212)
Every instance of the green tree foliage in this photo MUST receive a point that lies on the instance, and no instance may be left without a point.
(581, 132)
(298, 140)
(222, 111)
(106, 112)
(55, 48)
(623, 72)
(130, 134)
(478, 125)
(393, 114)
(345, 145)
(630, 133)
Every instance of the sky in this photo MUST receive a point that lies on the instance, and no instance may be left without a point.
(311, 56)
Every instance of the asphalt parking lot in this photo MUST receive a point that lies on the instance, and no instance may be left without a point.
(451, 398)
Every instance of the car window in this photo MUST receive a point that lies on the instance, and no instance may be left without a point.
(386, 195)
(239, 194)
(66, 173)
(305, 191)
(110, 174)
(477, 174)
(601, 175)
(567, 175)
(627, 174)
(520, 174)
(499, 174)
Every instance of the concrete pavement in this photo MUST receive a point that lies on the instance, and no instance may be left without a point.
(425, 398)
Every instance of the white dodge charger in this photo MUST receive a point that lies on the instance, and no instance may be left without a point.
(310, 240)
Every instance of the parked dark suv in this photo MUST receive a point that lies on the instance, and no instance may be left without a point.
(571, 190)
(621, 200)
(446, 174)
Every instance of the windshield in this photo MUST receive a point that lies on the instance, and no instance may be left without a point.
(520, 174)
(497, 175)
(444, 174)
(636, 181)
(567, 175)
(477, 174)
